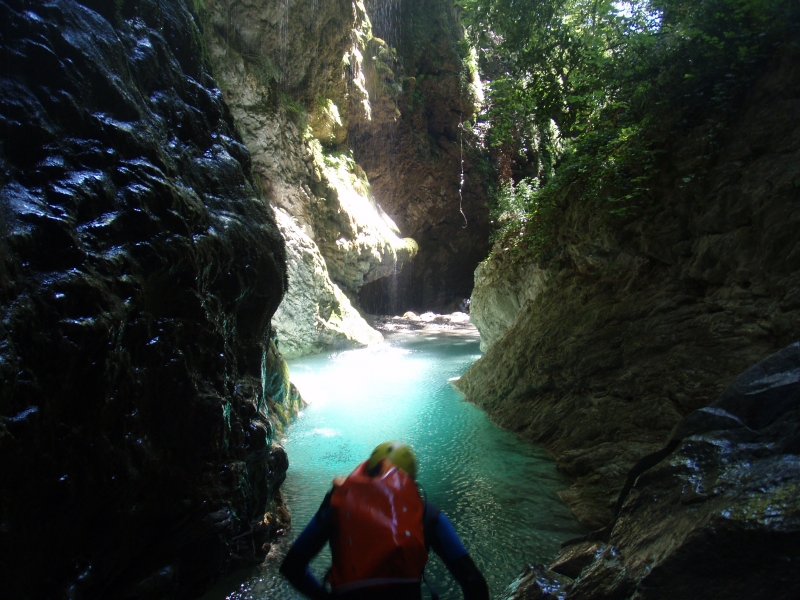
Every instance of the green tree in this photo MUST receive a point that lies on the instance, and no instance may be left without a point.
(590, 90)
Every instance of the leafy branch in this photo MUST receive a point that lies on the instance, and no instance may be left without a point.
(584, 95)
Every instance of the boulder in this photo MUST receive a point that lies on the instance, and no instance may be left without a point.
(719, 516)
(502, 288)
(317, 315)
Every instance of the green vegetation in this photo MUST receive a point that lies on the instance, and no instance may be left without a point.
(585, 95)
(265, 71)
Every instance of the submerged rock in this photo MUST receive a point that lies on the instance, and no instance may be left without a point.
(535, 582)
(139, 270)
(717, 514)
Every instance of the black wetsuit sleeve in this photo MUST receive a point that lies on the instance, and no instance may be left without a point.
(307, 545)
(466, 573)
(442, 537)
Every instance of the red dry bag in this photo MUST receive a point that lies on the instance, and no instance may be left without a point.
(378, 534)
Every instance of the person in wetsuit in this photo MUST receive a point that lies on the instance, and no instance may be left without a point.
(380, 531)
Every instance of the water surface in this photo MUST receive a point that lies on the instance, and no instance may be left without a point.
(499, 491)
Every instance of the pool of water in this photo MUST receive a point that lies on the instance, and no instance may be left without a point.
(499, 491)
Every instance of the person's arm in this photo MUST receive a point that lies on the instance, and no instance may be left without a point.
(308, 544)
(445, 542)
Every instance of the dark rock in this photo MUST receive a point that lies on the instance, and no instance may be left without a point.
(139, 271)
(536, 582)
(414, 161)
(718, 516)
(575, 557)
(714, 514)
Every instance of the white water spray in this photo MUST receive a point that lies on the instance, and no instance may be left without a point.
(461, 181)
(283, 40)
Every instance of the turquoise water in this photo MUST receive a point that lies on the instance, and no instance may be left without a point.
(500, 492)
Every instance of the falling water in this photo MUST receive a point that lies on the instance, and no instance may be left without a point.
(283, 41)
(393, 292)
(385, 16)
(461, 181)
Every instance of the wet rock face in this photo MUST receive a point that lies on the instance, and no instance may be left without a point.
(275, 61)
(138, 276)
(633, 330)
(716, 515)
(412, 152)
(290, 42)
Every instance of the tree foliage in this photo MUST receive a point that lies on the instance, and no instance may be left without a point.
(583, 93)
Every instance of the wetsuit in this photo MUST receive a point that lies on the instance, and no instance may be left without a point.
(439, 535)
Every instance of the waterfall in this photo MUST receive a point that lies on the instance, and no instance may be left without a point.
(386, 19)
(283, 41)
(393, 292)
(461, 181)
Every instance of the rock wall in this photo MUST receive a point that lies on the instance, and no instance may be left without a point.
(292, 74)
(713, 513)
(622, 332)
(356, 139)
(139, 389)
(502, 287)
(421, 155)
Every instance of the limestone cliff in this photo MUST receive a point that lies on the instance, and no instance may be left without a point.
(624, 330)
(139, 388)
(292, 74)
(503, 287)
(427, 165)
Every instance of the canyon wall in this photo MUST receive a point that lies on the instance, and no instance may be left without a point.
(428, 168)
(342, 100)
(139, 384)
(625, 329)
(187, 187)
(291, 73)
(351, 152)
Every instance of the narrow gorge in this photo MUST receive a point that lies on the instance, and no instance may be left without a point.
(194, 192)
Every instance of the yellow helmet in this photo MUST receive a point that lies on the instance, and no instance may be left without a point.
(397, 453)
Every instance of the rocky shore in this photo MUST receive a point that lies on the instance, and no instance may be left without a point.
(454, 322)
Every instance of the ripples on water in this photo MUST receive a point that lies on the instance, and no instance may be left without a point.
(500, 492)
